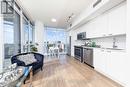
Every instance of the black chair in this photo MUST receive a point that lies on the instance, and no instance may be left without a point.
(36, 65)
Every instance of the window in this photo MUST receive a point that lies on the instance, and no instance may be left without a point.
(13, 32)
(53, 34)
(55, 37)
(26, 34)
(31, 33)
(12, 35)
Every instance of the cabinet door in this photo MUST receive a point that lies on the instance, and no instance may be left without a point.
(100, 59)
(101, 25)
(117, 20)
(98, 27)
(97, 58)
(115, 66)
(104, 60)
(89, 29)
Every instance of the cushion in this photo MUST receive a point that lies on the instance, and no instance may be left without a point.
(27, 59)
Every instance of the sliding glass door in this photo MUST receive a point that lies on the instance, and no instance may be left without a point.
(18, 33)
(55, 38)
(12, 35)
(31, 33)
(28, 34)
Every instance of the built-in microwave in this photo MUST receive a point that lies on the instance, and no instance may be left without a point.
(81, 36)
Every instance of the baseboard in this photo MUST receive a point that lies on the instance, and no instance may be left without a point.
(109, 77)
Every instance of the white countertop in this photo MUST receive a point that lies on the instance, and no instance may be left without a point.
(111, 49)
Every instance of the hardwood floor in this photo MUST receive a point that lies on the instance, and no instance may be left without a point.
(68, 72)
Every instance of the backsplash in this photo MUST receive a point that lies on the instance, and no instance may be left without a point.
(107, 42)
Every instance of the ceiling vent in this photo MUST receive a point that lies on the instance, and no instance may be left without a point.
(96, 3)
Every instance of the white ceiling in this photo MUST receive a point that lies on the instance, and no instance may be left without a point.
(45, 10)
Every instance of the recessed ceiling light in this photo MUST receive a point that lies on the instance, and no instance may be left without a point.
(53, 20)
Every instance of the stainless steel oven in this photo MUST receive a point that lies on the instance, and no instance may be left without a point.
(78, 53)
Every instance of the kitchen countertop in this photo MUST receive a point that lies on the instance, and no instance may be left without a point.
(112, 49)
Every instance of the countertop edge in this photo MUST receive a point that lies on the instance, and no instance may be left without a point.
(122, 50)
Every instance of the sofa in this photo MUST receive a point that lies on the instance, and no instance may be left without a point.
(35, 65)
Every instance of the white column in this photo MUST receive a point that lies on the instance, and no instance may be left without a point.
(1, 41)
(39, 36)
(22, 32)
(128, 44)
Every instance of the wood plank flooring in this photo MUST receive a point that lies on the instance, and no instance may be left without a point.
(68, 72)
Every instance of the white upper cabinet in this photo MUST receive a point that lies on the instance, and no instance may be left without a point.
(89, 29)
(112, 22)
(101, 25)
(98, 27)
(117, 20)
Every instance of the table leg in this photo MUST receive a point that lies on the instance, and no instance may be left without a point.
(31, 76)
(58, 53)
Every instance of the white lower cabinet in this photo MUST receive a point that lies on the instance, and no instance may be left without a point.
(116, 66)
(111, 64)
(100, 60)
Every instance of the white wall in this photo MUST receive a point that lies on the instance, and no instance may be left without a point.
(39, 36)
(128, 44)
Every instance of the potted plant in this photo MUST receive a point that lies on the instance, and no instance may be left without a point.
(33, 47)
